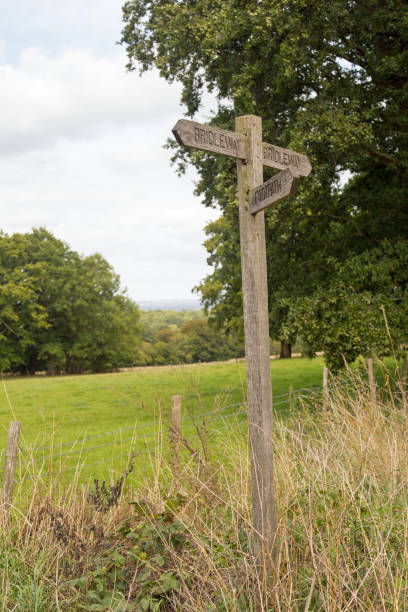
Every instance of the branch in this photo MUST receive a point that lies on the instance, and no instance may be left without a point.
(388, 160)
(339, 217)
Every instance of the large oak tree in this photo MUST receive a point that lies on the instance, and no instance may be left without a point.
(329, 79)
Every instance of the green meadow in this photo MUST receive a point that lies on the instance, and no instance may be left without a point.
(88, 425)
(93, 421)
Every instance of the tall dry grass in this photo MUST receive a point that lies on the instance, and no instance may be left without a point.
(341, 489)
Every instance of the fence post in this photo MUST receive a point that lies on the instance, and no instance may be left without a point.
(291, 396)
(10, 466)
(176, 427)
(371, 381)
(404, 374)
(325, 387)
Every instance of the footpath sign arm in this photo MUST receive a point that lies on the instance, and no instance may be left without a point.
(278, 187)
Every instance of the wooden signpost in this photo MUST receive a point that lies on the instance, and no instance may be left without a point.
(245, 144)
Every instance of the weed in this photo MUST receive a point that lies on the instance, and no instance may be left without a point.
(138, 568)
(104, 498)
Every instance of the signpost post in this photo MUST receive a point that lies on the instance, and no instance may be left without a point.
(245, 144)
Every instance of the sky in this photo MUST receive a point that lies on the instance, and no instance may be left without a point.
(81, 147)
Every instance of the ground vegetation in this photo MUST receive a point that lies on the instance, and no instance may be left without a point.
(181, 539)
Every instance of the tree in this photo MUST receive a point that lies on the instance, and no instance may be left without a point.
(200, 341)
(60, 311)
(329, 80)
(194, 340)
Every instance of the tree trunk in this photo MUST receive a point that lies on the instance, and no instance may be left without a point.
(32, 364)
(286, 350)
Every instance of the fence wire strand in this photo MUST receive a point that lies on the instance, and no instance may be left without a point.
(151, 425)
(211, 416)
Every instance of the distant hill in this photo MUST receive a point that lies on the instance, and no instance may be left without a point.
(169, 304)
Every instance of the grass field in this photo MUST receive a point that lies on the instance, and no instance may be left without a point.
(179, 537)
(92, 416)
(92, 423)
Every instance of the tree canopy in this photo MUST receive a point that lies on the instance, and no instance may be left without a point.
(60, 311)
(329, 80)
(184, 337)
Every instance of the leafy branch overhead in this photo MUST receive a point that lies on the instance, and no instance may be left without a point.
(330, 81)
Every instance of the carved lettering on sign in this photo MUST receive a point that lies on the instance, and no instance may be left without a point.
(210, 138)
(272, 187)
(282, 157)
(278, 187)
(277, 157)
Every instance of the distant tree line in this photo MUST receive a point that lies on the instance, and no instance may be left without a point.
(60, 311)
(172, 337)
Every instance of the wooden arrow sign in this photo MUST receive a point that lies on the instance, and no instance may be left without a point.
(278, 187)
(279, 158)
(210, 138)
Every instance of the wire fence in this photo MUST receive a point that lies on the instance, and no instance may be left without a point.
(57, 457)
(188, 416)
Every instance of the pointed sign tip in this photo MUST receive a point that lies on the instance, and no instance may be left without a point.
(176, 133)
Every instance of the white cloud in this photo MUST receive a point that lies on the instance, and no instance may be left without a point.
(54, 25)
(82, 155)
(97, 14)
(72, 95)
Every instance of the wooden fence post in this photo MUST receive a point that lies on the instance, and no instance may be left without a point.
(404, 374)
(10, 465)
(325, 388)
(176, 427)
(371, 381)
(291, 396)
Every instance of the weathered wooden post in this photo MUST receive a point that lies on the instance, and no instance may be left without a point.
(404, 374)
(10, 465)
(256, 324)
(291, 396)
(176, 412)
(254, 196)
(325, 388)
(371, 382)
(175, 432)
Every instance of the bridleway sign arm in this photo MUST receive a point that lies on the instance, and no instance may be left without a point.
(210, 138)
(279, 158)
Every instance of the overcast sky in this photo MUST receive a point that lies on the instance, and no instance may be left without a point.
(81, 147)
